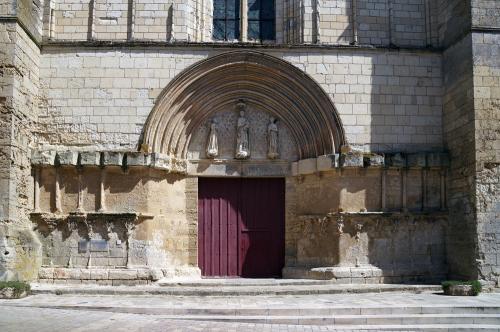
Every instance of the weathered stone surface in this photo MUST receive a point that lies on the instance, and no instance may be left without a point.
(327, 162)
(375, 160)
(43, 157)
(20, 253)
(416, 160)
(112, 158)
(459, 290)
(112, 99)
(438, 160)
(395, 160)
(99, 274)
(123, 274)
(307, 166)
(11, 293)
(294, 168)
(161, 161)
(67, 158)
(90, 158)
(351, 159)
(138, 159)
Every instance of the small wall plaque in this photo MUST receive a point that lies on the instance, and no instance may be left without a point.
(99, 245)
(83, 246)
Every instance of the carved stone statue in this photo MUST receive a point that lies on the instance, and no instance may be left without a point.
(212, 144)
(243, 135)
(272, 139)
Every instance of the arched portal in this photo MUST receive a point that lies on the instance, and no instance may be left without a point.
(262, 80)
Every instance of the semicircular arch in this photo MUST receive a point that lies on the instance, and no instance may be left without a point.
(260, 79)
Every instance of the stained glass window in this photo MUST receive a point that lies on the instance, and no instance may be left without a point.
(226, 20)
(261, 19)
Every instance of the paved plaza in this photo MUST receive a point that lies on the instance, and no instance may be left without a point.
(191, 313)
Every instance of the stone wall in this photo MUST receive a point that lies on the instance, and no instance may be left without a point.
(19, 83)
(368, 248)
(401, 23)
(368, 225)
(114, 217)
(470, 117)
(486, 70)
(388, 101)
(458, 120)
(107, 219)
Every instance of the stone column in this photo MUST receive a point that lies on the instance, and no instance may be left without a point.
(383, 190)
(404, 190)
(354, 22)
(131, 20)
(424, 189)
(36, 190)
(79, 207)
(57, 192)
(91, 21)
(102, 193)
(442, 175)
(244, 20)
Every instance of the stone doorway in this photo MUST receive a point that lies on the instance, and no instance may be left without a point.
(241, 227)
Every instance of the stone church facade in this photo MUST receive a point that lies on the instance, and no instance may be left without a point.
(351, 140)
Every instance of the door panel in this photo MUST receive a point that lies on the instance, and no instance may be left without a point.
(241, 227)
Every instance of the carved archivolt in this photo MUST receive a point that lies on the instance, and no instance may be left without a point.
(264, 82)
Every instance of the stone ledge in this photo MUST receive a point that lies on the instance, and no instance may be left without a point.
(108, 158)
(358, 159)
(114, 276)
(55, 274)
(53, 216)
(366, 274)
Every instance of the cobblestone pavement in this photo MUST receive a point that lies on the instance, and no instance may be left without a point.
(52, 313)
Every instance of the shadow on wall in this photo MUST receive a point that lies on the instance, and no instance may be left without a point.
(388, 249)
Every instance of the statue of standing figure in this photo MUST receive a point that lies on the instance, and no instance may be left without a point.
(243, 134)
(212, 145)
(272, 139)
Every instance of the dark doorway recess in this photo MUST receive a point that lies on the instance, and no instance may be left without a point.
(241, 227)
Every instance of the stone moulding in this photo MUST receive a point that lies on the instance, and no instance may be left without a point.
(264, 82)
(356, 159)
(323, 163)
(73, 219)
(42, 158)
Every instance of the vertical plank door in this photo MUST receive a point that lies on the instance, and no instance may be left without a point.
(241, 227)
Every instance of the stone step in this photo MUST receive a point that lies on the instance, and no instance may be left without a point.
(423, 319)
(240, 282)
(422, 327)
(293, 312)
(231, 290)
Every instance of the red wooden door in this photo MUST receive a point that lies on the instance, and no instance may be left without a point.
(241, 227)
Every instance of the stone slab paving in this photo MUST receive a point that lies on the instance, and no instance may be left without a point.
(229, 288)
(151, 313)
(374, 300)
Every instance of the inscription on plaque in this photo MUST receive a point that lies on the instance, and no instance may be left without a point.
(99, 245)
(83, 246)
